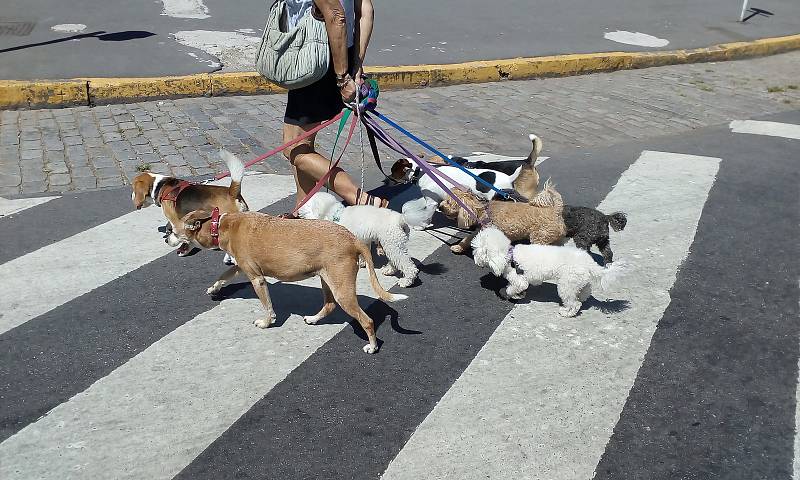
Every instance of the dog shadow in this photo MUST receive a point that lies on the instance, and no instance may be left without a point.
(292, 298)
(548, 293)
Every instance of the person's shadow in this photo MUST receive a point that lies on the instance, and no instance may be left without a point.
(100, 35)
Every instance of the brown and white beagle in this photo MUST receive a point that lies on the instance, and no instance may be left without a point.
(178, 197)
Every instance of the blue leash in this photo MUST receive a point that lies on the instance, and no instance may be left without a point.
(438, 153)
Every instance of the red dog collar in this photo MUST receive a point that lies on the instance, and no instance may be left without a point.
(215, 227)
(171, 192)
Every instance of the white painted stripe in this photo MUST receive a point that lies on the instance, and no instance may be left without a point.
(772, 129)
(541, 398)
(185, 9)
(796, 469)
(152, 416)
(79, 264)
(10, 207)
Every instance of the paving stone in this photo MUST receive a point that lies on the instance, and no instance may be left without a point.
(34, 186)
(56, 167)
(69, 141)
(160, 168)
(175, 160)
(35, 175)
(112, 137)
(167, 150)
(106, 172)
(181, 172)
(9, 191)
(103, 162)
(127, 126)
(142, 149)
(81, 172)
(27, 154)
(84, 183)
(110, 182)
(59, 179)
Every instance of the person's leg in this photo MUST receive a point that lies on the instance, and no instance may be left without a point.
(309, 166)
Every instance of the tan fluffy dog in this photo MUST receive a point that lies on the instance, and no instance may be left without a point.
(540, 221)
(288, 250)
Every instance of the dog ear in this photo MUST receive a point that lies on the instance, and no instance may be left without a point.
(194, 220)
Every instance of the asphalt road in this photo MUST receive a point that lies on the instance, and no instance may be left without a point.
(113, 363)
(136, 39)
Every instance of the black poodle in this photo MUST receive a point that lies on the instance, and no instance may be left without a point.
(587, 226)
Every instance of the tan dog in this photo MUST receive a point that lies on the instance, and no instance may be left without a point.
(178, 197)
(288, 250)
(540, 221)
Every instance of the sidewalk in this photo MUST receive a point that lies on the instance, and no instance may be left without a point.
(86, 148)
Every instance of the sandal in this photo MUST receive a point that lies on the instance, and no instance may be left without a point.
(370, 199)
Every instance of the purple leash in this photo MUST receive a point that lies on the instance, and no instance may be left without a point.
(390, 142)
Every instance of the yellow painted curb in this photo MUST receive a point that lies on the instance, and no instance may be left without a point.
(34, 93)
(95, 91)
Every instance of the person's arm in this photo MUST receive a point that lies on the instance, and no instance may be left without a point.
(336, 26)
(365, 18)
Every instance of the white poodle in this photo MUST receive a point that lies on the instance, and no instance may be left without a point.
(572, 270)
(372, 224)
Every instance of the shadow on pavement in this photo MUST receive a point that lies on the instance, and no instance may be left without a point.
(100, 35)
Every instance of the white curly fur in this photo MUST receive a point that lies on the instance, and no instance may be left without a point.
(573, 271)
(372, 224)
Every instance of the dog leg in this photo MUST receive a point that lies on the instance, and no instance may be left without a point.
(328, 305)
(604, 244)
(585, 293)
(399, 259)
(464, 245)
(223, 280)
(343, 287)
(569, 297)
(517, 285)
(260, 286)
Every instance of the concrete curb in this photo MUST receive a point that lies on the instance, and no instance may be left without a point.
(98, 91)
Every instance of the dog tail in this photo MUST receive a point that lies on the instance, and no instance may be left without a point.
(418, 213)
(617, 221)
(537, 148)
(548, 197)
(373, 277)
(604, 278)
(236, 168)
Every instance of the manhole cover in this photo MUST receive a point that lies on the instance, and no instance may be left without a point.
(16, 29)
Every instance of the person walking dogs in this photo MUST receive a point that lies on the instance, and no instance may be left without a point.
(349, 27)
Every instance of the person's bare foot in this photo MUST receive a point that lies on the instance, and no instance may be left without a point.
(364, 198)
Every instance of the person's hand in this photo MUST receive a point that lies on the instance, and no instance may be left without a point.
(347, 89)
(359, 78)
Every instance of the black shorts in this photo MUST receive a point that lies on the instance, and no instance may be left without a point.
(317, 102)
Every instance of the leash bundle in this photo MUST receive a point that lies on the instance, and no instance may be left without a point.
(366, 101)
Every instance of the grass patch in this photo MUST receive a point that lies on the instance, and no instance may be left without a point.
(142, 167)
(775, 89)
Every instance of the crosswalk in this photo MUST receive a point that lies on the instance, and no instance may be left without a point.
(114, 364)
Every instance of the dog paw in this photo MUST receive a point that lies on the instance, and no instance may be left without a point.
(265, 322)
(568, 312)
(457, 249)
(388, 270)
(405, 282)
(310, 319)
(369, 348)
(214, 289)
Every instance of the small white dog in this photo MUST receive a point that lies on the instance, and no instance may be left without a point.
(572, 270)
(372, 224)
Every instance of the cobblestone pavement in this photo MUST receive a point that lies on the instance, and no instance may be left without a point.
(95, 147)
